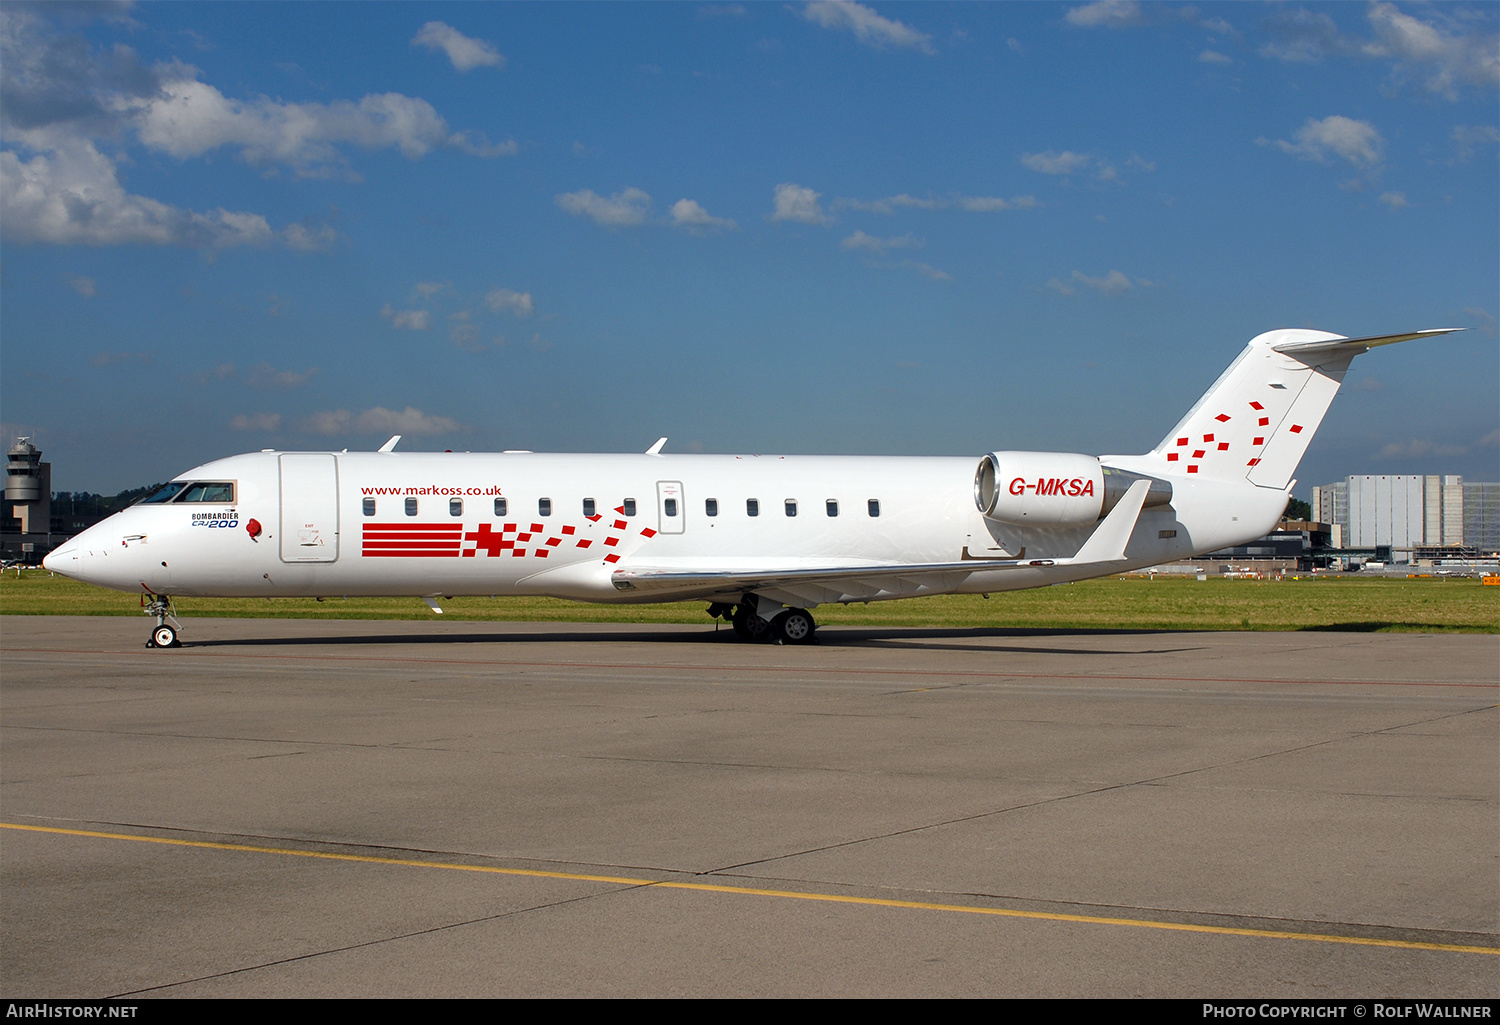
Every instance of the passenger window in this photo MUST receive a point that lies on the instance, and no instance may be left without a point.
(588, 507)
(544, 507)
(455, 507)
(833, 507)
(369, 505)
(629, 507)
(710, 507)
(671, 506)
(752, 507)
(874, 507)
(499, 507)
(791, 507)
(411, 507)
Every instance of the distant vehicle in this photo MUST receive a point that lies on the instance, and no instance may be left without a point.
(761, 539)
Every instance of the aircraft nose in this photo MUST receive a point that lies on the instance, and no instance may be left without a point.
(60, 560)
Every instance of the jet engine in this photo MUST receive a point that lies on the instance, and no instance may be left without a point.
(1054, 489)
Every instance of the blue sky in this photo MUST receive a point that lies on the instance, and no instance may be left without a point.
(820, 228)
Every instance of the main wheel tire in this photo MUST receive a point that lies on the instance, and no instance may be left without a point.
(748, 626)
(794, 626)
(164, 637)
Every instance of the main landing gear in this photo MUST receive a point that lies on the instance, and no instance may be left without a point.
(788, 626)
(160, 606)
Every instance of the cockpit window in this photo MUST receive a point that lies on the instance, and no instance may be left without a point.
(219, 492)
(165, 493)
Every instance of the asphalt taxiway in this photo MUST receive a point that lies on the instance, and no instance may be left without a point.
(306, 808)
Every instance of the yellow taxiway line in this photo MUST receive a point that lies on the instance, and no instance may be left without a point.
(748, 891)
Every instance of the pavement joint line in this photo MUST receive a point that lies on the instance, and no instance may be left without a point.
(800, 669)
(745, 891)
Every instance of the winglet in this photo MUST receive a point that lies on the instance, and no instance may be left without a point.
(1107, 542)
(390, 446)
(655, 450)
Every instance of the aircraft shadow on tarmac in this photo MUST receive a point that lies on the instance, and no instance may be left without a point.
(907, 638)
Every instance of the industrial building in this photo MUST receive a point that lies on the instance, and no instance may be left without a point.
(1423, 519)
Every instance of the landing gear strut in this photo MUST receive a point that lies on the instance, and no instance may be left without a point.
(160, 606)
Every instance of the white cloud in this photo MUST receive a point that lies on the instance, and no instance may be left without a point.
(428, 289)
(889, 204)
(1394, 200)
(464, 334)
(519, 303)
(256, 422)
(1467, 137)
(1106, 14)
(927, 271)
(263, 375)
(798, 203)
(689, 214)
(411, 320)
(465, 53)
(1060, 287)
(971, 204)
(869, 243)
(72, 196)
(221, 372)
(1112, 283)
(1411, 41)
(189, 118)
(309, 240)
(622, 210)
(1355, 141)
(1444, 47)
(85, 287)
(868, 27)
(379, 420)
(1053, 162)
(1214, 57)
(1302, 37)
(1419, 447)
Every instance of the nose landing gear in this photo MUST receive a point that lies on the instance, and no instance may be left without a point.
(160, 606)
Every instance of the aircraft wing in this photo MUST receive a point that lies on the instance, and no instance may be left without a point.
(818, 584)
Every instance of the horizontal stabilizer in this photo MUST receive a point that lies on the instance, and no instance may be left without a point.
(1355, 346)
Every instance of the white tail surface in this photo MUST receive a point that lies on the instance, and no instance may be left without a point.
(1256, 421)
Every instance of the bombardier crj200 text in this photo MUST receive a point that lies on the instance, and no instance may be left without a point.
(762, 539)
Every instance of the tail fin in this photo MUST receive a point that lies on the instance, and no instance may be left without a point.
(1256, 421)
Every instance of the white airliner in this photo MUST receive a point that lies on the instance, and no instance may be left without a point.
(762, 539)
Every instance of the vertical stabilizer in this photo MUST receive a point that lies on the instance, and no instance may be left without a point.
(1256, 421)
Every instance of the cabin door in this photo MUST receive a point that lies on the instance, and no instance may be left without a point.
(671, 511)
(309, 507)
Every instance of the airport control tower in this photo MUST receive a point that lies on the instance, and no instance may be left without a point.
(28, 487)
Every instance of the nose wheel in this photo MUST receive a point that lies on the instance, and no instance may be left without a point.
(160, 606)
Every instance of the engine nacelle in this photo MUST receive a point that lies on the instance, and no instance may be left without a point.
(1055, 489)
